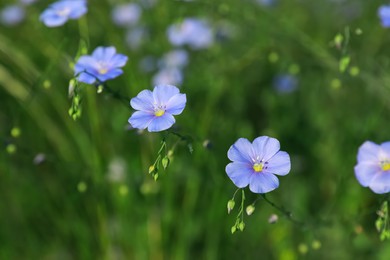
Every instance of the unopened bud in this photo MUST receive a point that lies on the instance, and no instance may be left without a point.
(250, 209)
(100, 89)
(230, 205)
(241, 226)
(151, 169)
(233, 229)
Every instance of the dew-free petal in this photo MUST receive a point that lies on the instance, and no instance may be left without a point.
(266, 147)
(263, 182)
(368, 152)
(381, 183)
(279, 164)
(241, 151)
(143, 101)
(163, 93)
(141, 119)
(239, 173)
(176, 104)
(161, 123)
(86, 78)
(365, 172)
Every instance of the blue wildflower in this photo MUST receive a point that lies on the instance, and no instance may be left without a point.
(168, 76)
(60, 12)
(191, 31)
(285, 83)
(12, 15)
(174, 59)
(136, 36)
(126, 14)
(255, 164)
(384, 15)
(156, 109)
(373, 166)
(102, 65)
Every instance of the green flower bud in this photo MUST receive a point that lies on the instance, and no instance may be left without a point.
(230, 205)
(241, 226)
(250, 209)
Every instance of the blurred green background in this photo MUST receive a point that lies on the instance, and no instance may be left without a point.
(92, 197)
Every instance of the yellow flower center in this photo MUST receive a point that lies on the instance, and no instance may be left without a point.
(385, 166)
(258, 167)
(102, 71)
(159, 112)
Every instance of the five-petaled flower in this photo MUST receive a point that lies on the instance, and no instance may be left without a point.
(156, 109)
(102, 65)
(373, 166)
(60, 12)
(257, 163)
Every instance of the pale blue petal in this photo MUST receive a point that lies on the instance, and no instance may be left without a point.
(176, 104)
(141, 119)
(163, 93)
(239, 173)
(279, 164)
(118, 60)
(51, 19)
(265, 147)
(161, 123)
(365, 172)
(86, 78)
(98, 53)
(263, 182)
(111, 74)
(143, 101)
(241, 151)
(380, 183)
(78, 11)
(368, 152)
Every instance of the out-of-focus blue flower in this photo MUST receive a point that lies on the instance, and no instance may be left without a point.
(102, 65)
(194, 32)
(156, 109)
(384, 15)
(168, 76)
(373, 166)
(257, 163)
(174, 59)
(285, 83)
(126, 14)
(148, 3)
(60, 12)
(136, 36)
(12, 15)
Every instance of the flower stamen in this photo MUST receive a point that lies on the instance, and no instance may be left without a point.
(159, 112)
(258, 167)
(385, 166)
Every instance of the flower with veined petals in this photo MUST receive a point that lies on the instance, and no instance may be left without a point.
(102, 65)
(156, 109)
(255, 164)
(60, 12)
(373, 166)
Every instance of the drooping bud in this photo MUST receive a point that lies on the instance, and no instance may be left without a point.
(230, 205)
(250, 209)
(273, 219)
(241, 226)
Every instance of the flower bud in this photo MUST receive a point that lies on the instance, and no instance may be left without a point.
(241, 226)
(250, 209)
(100, 89)
(233, 229)
(230, 205)
(273, 219)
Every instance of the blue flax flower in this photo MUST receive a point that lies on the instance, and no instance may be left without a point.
(60, 12)
(257, 163)
(102, 65)
(384, 15)
(156, 109)
(373, 166)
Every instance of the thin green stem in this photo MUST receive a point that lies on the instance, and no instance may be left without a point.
(286, 213)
